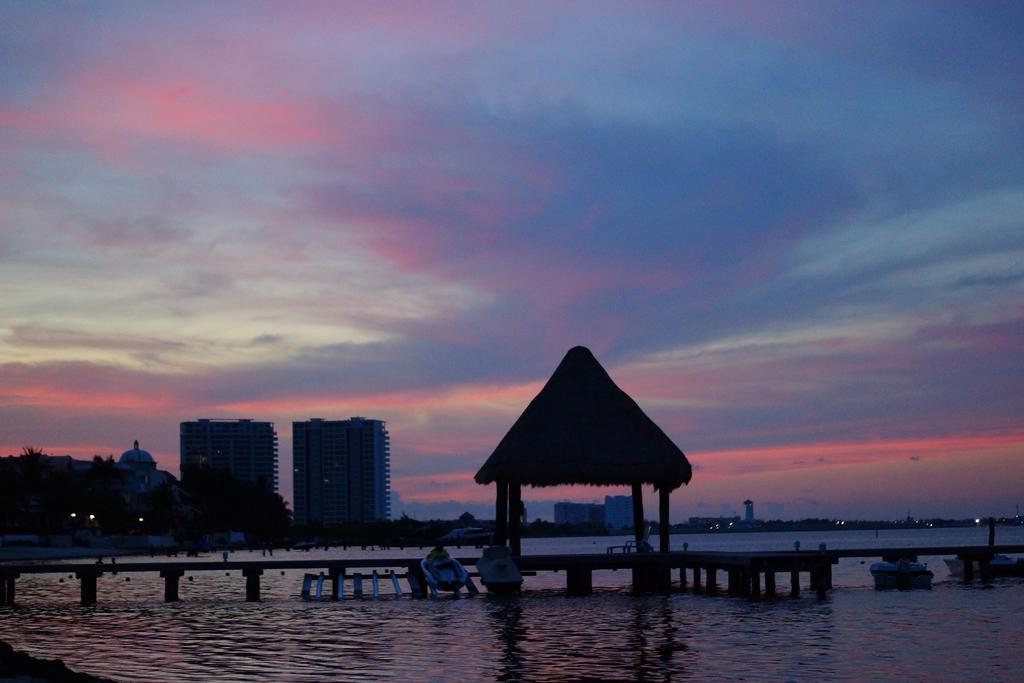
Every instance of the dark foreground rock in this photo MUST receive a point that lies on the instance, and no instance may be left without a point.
(14, 664)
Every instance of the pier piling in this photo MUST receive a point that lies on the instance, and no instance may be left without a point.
(7, 589)
(579, 581)
(336, 575)
(171, 578)
(87, 582)
(252, 584)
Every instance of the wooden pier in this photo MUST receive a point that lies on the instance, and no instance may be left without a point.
(750, 574)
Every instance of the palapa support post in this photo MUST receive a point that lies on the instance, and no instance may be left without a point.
(664, 525)
(87, 582)
(712, 583)
(515, 506)
(696, 578)
(682, 578)
(794, 579)
(171, 578)
(638, 515)
(769, 583)
(501, 514)
(579, 581)
(755, 583)
(733, 580)
(252, 584)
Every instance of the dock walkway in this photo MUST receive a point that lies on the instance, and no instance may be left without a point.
(746, 572)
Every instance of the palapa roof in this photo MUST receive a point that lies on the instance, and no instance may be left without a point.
(582, 429)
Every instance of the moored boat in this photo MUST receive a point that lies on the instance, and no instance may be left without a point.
(443, 572)
(999, 565)
(904, 574)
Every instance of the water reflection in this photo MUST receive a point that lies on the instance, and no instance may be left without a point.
(506, 617)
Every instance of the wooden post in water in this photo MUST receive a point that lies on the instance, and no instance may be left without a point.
(663, 521)
(712, 584)
(755, 583)
(968, 568)
(501, 514)
(171, 578)
(252, 584)
(696, 578)
(734, 581)
(336, 575)
(984, 570)
(515, 507)
(414, 575)
(579, 581)
(87, 582)
(769, 583)
(820, 584)
(638, 515)
(7, 589)
(794, 580)
(682, 578)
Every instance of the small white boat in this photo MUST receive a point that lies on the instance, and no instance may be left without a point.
(468, 535)
(444, 573)
(999, 565)
(904, 574)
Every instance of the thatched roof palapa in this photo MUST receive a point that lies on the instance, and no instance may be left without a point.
(583, 429)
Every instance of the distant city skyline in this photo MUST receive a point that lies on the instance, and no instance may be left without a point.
(791, 231)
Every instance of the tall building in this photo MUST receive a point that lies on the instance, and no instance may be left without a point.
(579, 513)
(618, 512)
(245, 448)
(749, 512)
(342, 471)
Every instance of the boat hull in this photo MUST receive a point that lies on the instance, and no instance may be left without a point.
(901, 576)
(444, 574)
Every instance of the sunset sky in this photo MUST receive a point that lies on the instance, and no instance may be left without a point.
(793, 232)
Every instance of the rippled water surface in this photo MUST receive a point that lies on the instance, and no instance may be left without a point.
(953, 632)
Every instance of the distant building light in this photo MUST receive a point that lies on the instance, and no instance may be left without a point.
(73, 515)
(92, 517)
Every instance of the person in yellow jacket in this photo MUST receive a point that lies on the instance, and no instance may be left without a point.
(438, 553)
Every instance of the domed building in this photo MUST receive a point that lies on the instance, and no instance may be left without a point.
(139, 471)
(137, 456)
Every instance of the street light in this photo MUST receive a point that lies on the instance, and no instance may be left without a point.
(92, 517)
(141, 519)
(74, 515)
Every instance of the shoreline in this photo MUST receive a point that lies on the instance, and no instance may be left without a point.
(17, 666)
(44, 553)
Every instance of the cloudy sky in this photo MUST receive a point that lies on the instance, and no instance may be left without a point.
(793, 232)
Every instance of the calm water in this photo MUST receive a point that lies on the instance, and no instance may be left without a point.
(953, 632)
